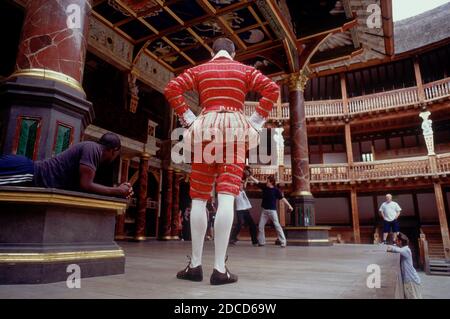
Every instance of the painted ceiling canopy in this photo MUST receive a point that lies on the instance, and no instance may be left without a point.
(179, 33)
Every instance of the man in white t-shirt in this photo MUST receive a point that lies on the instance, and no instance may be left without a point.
(390, 211)
(243, 217)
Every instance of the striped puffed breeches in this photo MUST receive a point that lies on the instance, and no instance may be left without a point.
(226, 175)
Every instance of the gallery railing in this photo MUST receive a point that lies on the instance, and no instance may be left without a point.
(362, 171)
(363, 104)
(437, 89)
(383, 100)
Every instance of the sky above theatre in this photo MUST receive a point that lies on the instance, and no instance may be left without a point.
(403, 9)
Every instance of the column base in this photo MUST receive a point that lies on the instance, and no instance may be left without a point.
(307, 236)
(303, 213)
(43, 231)
(302, 230)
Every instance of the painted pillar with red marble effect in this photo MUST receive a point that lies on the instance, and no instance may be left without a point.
(175, 219)
(303, 214)
(54, 38)
(168, 200)
(142, 200)
(46, 84)
(302, 230)
(120, 220)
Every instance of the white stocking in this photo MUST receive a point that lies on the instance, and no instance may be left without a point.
(222, 229)
(198, 230)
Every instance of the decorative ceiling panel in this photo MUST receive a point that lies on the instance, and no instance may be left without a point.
(180, 33)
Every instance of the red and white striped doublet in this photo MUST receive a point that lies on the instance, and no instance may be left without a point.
(222, 82)
(222, 85)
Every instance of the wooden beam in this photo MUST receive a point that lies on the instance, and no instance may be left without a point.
(230, 32)
(222, 22)
(261, 24)
(210, 15)
(346, 26)
(258, 50)
(283, 23)
(388, 26)
(352, 54)
(111, 26)
(396, 57)
(344, 92)
(442, 219)
(419, 81)
(348, 144)
(355, 216)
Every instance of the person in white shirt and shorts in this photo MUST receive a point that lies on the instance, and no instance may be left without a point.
(390, 211)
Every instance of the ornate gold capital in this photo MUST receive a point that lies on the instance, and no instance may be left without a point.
(298, 80)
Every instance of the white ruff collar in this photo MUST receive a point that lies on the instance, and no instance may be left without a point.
(222, 54)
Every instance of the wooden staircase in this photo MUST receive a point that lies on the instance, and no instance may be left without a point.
(432, 257)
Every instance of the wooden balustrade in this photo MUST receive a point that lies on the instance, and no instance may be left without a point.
(285, 110)
(405, 167)
(287, 174)
(362, 104)
(262, 172)
(279, 112)
(361, 171)
(383, 100)
(326, 108)
(329, 172)
(437, 89)
(443, 163)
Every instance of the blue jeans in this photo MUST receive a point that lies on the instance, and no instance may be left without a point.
(267, 214)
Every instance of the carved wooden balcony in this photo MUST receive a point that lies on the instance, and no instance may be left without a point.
(404, 168)
(359, 105)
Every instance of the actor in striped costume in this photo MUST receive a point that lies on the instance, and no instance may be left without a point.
(222, 85)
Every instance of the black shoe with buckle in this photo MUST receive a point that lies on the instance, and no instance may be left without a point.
(192, 274)
(219, 278)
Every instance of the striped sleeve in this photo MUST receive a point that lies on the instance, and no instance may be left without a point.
(268, 89)
(176, 88)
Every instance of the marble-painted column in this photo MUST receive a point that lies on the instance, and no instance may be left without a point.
(54, 40)
(302, 230)
(168, 201)
(120, 220)
(303, 214)
(298, 135)
(46, 84)
(142, 200)
(175, 219)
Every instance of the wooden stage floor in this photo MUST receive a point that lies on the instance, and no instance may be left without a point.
(266, 272)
